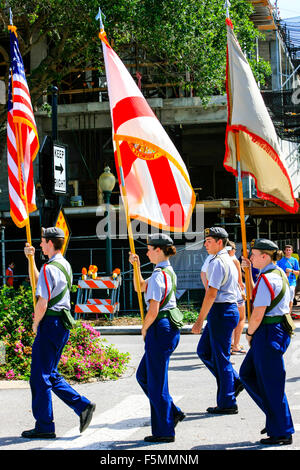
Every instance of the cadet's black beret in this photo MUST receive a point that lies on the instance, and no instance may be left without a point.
(52, 232)
(218, 232)
(263, 244)
(160, 239)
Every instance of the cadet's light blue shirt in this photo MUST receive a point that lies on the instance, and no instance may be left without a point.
(289, 263)
(156, 286)
(263, 295)
(216, 273)
(54, 283)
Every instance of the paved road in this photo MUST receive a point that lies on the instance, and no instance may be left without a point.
(122, 419)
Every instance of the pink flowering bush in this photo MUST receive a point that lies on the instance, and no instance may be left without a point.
(16, 335)
(85, 356)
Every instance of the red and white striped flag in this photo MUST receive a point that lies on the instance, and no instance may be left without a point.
(157, 183)
(260, 152)
(22, 138)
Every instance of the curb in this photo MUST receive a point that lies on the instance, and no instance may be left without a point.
(131, 330)
(136, 329)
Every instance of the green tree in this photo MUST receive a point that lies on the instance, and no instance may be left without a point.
(186, 40)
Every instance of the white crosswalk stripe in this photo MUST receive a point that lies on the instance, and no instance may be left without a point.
(115, 424)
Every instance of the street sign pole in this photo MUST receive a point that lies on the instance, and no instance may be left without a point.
(53, 164)
(54, 113)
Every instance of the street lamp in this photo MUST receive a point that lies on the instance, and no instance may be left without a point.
(107, 183)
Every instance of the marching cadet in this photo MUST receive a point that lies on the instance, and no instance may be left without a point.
(161, 334)
(220, 308)
(51, 324)
(269, 329)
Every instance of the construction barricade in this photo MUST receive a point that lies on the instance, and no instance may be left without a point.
(86, 305)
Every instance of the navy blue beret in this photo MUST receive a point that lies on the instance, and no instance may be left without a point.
(53, 232)
(263, 244)
(160, 239)
(217, 232)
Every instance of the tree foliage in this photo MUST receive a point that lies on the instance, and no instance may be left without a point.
(187, 40)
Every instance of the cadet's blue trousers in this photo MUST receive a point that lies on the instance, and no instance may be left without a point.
(46, 352)
(263, 375)
(152, 375)
(214, 350)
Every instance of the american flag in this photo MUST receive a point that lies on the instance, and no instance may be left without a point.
(22, 138)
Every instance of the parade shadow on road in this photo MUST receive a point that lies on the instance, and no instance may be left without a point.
(7, 441)
(246, 445)
(11, 440)
(186, 356)
(185, 353)
(134, 423)
(124, 424)
(188, 367)
(293, 379)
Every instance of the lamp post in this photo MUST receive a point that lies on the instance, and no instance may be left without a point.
(54, 112)
(107, 183)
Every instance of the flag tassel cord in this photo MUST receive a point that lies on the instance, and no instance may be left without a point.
(242, 221)
(28, 231)
(130, 234)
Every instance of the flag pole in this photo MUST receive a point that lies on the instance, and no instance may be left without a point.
(31, 263)
(129, 229)
(242, 218)
(24, 197)
(241, 198)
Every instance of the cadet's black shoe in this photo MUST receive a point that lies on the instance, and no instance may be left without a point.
(34, 434)
(86, 416)
(159, 438)
(238, 389)
(222, 411)
(281, 440)
(263, 431)
(179, 417)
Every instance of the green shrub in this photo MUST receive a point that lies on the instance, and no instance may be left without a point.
(85, 356)
(16, 333)
(190, 315)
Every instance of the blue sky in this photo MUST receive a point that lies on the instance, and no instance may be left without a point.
(288, 8)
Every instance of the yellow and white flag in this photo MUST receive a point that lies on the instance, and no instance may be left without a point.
(260, 153)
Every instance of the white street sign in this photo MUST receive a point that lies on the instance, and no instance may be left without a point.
(59, 168)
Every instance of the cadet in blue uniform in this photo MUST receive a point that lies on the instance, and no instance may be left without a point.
(220, 308)
(262, 371)
(52, 290)
(161, 338)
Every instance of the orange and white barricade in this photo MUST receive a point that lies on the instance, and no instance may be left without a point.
(86, 305)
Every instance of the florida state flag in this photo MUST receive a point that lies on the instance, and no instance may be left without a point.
(157, 183)
(260, 153)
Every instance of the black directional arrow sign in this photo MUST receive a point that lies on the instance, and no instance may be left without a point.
(59, 167)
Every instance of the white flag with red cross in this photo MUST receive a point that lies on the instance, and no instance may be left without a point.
(149, 167)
